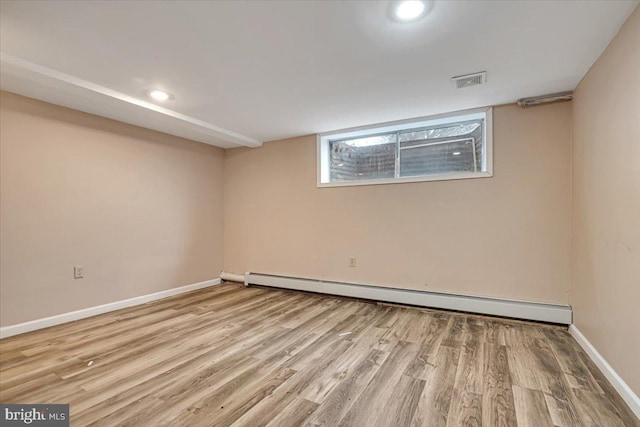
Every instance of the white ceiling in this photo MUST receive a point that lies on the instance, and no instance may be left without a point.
(246, 72)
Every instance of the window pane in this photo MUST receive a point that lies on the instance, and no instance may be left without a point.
(437, 158)
(371, 157)
(457, 129)
(442, 149)
(418, 150)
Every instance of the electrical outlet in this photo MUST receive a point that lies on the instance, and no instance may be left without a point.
(77, 272)
(352, 261)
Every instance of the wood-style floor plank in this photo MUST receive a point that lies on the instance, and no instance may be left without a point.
(236, 356)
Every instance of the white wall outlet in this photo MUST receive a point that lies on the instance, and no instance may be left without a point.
(352, 261)
(77, 272)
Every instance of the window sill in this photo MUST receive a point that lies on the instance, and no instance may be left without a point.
(443, 177)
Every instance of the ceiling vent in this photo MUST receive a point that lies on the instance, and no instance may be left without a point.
(537, 100)
(470, 80)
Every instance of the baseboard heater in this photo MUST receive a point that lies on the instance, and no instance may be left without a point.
(552, 313)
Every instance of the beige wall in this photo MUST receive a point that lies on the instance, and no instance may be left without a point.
(506, 236)
(606, 204)
(140, 210)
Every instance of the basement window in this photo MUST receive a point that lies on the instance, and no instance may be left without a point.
(451, 146)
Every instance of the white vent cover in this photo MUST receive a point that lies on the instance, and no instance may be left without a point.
(469, 80)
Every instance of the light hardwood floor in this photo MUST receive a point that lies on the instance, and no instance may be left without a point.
(231, 355)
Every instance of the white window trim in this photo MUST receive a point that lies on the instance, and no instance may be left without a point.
(323, 147)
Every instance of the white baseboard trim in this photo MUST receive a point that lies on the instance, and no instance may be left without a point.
(232, 277)
(493, 306)
(21, 328)
(618, 383)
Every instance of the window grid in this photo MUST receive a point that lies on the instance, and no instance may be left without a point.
(451, 146)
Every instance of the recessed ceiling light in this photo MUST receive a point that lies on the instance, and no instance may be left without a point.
(409, 10)
(341, 164)
(159, 95)
(456, 153)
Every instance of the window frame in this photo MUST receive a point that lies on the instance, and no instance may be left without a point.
(323, 147)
